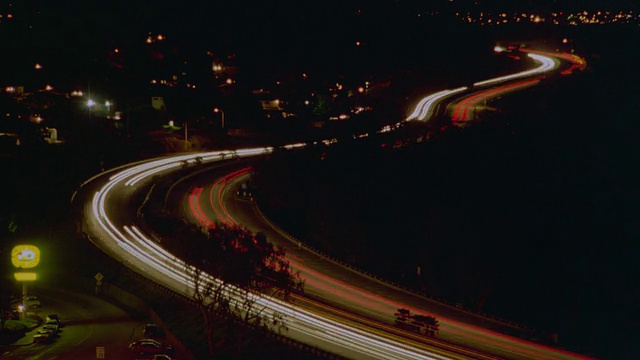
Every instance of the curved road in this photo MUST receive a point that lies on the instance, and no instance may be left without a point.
(110, 213)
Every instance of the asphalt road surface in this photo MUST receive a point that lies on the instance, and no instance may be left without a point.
(89, 323)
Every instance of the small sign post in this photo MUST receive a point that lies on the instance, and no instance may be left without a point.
(25, 257)
(99, 351)
(98, 278)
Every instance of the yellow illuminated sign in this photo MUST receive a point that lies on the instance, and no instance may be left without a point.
(25, 256)
(25, 276)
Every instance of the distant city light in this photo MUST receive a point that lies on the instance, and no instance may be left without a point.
(48, 87)
(557, 18)
(90, 103)
(229, 81)
(37, 66)
(360, 89)
(36, 118)
(77, 93)
(10, 89)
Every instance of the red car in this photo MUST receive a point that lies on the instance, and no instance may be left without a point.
(144, 347)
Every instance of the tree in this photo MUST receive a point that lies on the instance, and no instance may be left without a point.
(9, 225)
(6, 303)
(322, 106)
(231, 268)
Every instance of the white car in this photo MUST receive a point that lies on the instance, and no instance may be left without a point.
(32, 302)
(51, 327)
(53, 319)
(42, 338)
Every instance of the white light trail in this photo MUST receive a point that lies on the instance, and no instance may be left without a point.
(546, 64)
(425, 107)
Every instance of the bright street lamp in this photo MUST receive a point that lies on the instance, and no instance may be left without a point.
(90, 104)
(221, 113)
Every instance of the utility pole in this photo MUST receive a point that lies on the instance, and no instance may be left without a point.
(186, 135)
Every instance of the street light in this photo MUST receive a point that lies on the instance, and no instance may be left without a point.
(90, 104)
(216, 110)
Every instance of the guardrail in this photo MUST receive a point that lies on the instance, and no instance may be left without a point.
(385, 281)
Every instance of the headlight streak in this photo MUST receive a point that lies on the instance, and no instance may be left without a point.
(461, 111)
(150, 172)
(577, 62)
(546, 64)
(294, 146)
(149, 253)
(425, 107)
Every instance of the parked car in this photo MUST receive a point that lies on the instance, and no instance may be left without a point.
(42, 338)
(155, 341)
(45, 332)
(32, 302)
(50, 327)
(161, 357)
(150, 347)
(53, 319)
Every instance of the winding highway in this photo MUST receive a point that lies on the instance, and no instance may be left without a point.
(347, 313)
(372, 301)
